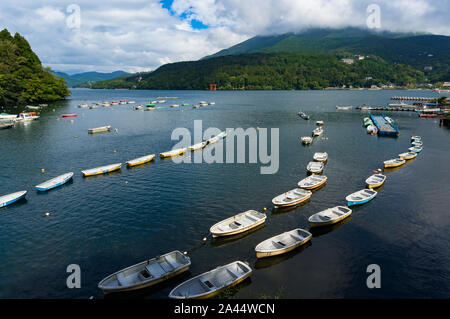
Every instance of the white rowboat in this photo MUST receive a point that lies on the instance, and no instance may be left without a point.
(329, 216)
(282, 243)
(291, 198)
(140, 160)
(315, 167)
(320, 156)
(102, 169)
(54, 182)
(312, 181)
(11, 198)
(197, 146)
(238, 223)
(376, 180)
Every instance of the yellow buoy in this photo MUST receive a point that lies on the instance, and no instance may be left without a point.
(204, 238)
(265, 208)
(47, 214)
(42, 170)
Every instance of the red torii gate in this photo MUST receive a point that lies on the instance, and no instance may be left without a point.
(213, 87)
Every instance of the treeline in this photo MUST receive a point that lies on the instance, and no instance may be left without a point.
(260, 71)
(22, 78)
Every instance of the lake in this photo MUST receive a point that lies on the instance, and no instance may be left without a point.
(109, 222)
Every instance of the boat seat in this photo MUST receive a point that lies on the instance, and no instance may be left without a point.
(166, 266)
(251, 218)
(233, 225)
(277, 245)
(172, 261)
(122, 280)
(324, 218)
(296, 237)
(206, 284)
(233, 273)
(155, 270)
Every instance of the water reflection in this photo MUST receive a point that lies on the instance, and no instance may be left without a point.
(223, 241)
(322, 230)
(271, 261)
(276, 211)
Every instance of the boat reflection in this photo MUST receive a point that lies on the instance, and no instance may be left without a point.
(322, 230)
(226, 240)
(116, 172)
(282, 210)
(230, 292)
(261, 263)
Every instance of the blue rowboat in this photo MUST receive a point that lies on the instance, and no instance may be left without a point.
(54, 182)
(415, 149)
(360, 197)
(11, 198)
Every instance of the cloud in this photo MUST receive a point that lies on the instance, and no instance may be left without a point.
(140, 35)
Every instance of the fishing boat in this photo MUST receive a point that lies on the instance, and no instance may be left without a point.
(100, 129)
(172, 153)
(360, 197)
(417, 143)
(407, 155)
(146, 273)
(312, 181)
(197, 146)
(372, 129)
(69, 115)
(315, 167)
(320, 156)
(4, 124)
(318, 131)
(54, 182)
(415, 149)
(343, 108)
(212, 282)
(376, 180)
(394, 162)
(291, 198)
(11, 198)
(140, 160)
(306, 139)
(26, 117)
(282, 243)
(329, 216)
(319, 123)
(237, 224)
(102, 169)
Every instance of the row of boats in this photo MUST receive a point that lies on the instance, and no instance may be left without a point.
(318, 131)
(104, 103)
(416, 147)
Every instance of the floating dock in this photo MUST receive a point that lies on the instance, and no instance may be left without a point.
(383, 126)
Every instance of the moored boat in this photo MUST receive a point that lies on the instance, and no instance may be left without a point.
(394, 162)
(212, 282)
(312, 181)
(376, 180)
(367, 121)
(417, 143)
(415, 149)
(306, 139)
(100, 129)
(6, 116)
(146, 273)
(197, 146)
(140, 160)
(54, 182)
(329, 216)
(102, 169)
(318, 131)
(315, 167)
(26, 117)
(237, 224)
(416, 138)
(69, 115)
(5, 123)
(372, 129)
(319, 123)
(172, 153)
(407, 155)
(360, 197)
(291, 198)
(282, 243)
(343, 108)
(320, 156)
(9, 199)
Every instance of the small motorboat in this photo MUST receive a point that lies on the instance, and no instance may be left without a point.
(407, 155)
(26, 117)
(360, 197)
(172, 153)
(102, 169)
(329, 216)
(140, 160)
(138, 107)
(415, 149)
(376, 180)
(292, 197)
(197, 146)
(312, 181)
(131, 102)
(31, 107)
(54, 182)
(319, 123)
(146, 273)
(69, 115)
(394, 162)
(282, 243)
(315, 167)
(212, 282)
(100, 129)
(389, 120)
(6, 116)
(306, 140)
(195, 106)
(318, 131)
(320, 156)
(238, 224)
(6, 200)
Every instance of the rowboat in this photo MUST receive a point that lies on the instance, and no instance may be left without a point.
(140, 160)
(416, 138)
(376, 180)
(282, 243)
(372, 129)
(320, 156)
(174, 105)
(344, 107)
(415, 149)
(417, 143)
(172, 153)
(102, 169)
(312, 181)
(146, 273)
(211, 103)
(4, 124)
(54, 182)
(100, 129)
(212, 282)
(11, 198)
(238, 223)
(131, 102)
(394, 162)
(83, 106)
(407, 155)
(217, 138)
(197, 146)
(291, 198)
(315, 167)
(31, 107)
(360, 197)
(184, 104)
(6, 116)
(69, 115)
(329, 216)
(318, 131)
(138, 107)
(195, 106)
(319, 123)
(306, 139)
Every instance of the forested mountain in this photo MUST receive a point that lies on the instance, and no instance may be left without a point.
(22, 78)
(85, 78)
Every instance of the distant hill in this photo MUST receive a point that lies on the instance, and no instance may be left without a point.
(22, 78)
(88, 77)
(417, 50)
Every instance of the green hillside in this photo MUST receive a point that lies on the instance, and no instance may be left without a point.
(83, 79)
(22, 78)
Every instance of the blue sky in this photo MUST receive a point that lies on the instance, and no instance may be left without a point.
(140, 35)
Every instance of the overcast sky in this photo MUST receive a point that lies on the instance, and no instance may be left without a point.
(140, 35)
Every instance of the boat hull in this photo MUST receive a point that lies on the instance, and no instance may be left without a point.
(5, 201)
(101, 170)
(172, 153)
(140, 161)
(355, 203)
(43, 188)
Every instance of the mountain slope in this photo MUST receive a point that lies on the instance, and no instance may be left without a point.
(77, 79)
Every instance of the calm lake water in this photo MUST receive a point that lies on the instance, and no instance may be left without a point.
(113, 221)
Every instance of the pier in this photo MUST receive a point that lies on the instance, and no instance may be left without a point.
(384, 127)
(412, 98)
